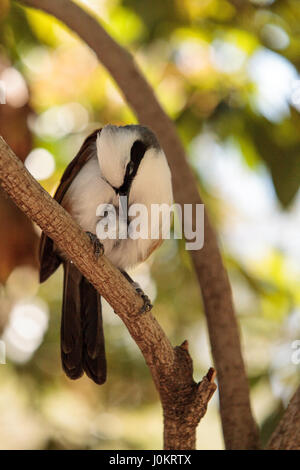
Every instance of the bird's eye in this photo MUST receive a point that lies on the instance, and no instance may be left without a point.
(130, 167)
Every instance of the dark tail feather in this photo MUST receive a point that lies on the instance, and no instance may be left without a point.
(82, 339)
(93, 355)
(71, 328)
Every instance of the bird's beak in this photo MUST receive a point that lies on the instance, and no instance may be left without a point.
(123, 205)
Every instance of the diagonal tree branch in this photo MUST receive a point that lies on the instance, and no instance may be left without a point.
(287, 434)
(184, 401)
(239, 427)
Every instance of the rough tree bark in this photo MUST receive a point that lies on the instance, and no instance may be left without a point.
(239, 428)
(184, 401)
(287, 434)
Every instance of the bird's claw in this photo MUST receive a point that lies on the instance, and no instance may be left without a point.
(147, 303)
(147, 306)
(97, 245)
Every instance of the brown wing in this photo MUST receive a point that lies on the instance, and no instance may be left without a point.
(49, 258)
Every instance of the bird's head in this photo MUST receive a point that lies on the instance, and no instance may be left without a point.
(121, 150)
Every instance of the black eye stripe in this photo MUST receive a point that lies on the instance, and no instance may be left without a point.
(137, 152)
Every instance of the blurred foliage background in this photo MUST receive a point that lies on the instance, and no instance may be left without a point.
(227, 74)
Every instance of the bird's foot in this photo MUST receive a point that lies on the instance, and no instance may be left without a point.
(147, 302)
(97, 245)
